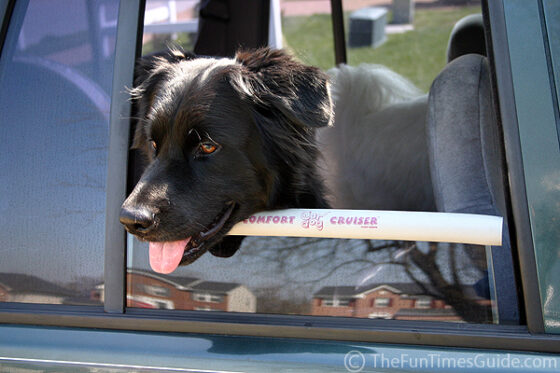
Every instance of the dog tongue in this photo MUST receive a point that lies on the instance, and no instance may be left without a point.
(166, 256)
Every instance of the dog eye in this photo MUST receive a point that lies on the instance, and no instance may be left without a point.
(153, 145)
(207, 148)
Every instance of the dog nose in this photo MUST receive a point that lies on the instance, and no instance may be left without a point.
(137, 220)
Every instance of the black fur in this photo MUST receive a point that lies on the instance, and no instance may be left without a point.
(260, 111)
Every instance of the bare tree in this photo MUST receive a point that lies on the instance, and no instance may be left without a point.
(442, 271)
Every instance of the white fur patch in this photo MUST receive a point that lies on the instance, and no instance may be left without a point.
(195, 73)
(199, 70)
(375, 156)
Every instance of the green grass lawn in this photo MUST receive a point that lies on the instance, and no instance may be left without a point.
(418, 55)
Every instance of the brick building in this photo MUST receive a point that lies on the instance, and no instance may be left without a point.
(151, 290)
(401, 301)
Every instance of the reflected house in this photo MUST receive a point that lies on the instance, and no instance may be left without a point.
(16, 287)
(400, 301)
(151, 290)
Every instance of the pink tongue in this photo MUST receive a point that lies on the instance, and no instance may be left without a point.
(166, 256)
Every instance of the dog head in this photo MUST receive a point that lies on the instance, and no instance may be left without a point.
(225, 138)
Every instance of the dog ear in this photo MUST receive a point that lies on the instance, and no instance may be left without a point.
(149, 64)
(299, 92)
(150, 72)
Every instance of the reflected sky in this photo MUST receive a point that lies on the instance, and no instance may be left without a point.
(54, 129)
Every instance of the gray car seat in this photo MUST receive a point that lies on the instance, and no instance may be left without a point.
(466, 160)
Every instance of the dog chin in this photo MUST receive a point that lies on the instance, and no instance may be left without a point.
(166, 256)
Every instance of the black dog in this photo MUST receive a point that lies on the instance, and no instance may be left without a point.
(225, 138)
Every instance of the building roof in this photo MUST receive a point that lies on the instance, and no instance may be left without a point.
(406, 289)
(182, 283)
(215, 287)
(337, 291)
(28, 284)
(189, 283)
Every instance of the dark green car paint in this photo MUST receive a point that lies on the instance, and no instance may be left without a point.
(537, 108)
(79, 350)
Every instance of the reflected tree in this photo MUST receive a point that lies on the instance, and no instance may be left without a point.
(443, 271)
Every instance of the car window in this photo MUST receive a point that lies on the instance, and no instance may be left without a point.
(552, 302)
(415, 41)
(55, 83)
(538, 115)
(326, 277)
(170, 22)
(363, 278)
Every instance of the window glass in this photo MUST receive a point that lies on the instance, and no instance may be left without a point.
(550, 234)
(307, 32)
(409, 37)
(169, 23)
(327, 277)
(362, 278)
(55, 78)
(535, 87)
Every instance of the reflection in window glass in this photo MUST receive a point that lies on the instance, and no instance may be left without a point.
(168, 23)
(307, 32)
(329, 277)
(55, 77)
(414, 40)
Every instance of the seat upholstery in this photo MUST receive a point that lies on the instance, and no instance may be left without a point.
(466, 160)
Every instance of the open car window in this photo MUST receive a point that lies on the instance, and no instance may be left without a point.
(362, 278)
